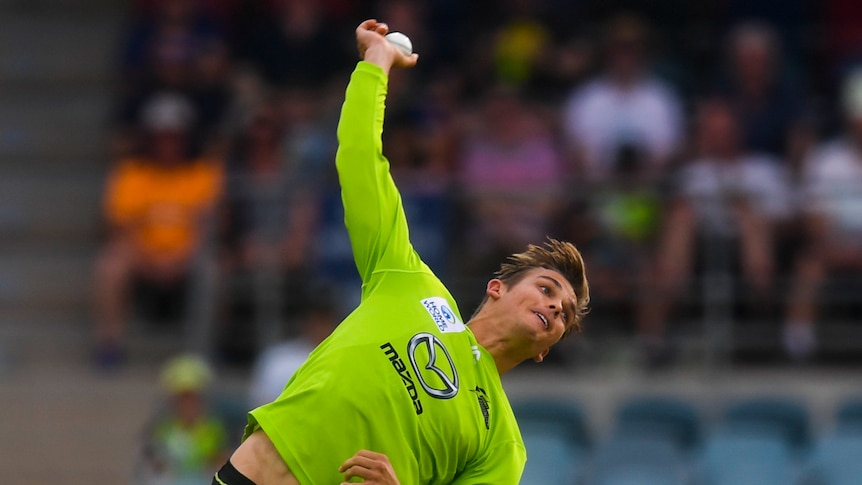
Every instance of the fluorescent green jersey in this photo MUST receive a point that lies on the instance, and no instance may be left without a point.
(402, 375)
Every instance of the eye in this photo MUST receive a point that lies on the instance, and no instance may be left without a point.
(545, 290)
(565, 316)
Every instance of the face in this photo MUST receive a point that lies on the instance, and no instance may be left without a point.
(753, 61)
(168, 147)
(188, 406)
(717, 131)
(539, 309)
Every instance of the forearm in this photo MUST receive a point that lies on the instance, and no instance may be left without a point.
(361, 123)
(362, 169)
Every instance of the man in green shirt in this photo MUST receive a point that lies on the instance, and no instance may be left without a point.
(403, 375)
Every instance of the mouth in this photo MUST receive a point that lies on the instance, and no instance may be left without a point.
(543, 318)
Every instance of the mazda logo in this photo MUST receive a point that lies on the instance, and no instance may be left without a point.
(447, 387)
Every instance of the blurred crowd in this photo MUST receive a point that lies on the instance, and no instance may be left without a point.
(670, 143)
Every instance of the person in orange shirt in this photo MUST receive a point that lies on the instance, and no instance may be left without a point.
(157, 206)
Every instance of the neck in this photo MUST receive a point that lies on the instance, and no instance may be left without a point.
(496, 345)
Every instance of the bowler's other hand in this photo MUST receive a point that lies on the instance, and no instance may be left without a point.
(374, 48)
(373, 468)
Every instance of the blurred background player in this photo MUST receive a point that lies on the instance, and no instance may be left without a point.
(185, 441)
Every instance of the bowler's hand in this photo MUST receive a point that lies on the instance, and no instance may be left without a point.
(373, 468)
(374, 48)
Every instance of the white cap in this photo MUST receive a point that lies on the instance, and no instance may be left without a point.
(186, 373)
(167, 112)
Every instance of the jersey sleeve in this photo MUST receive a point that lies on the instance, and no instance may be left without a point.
(373, 212)
(500, 465)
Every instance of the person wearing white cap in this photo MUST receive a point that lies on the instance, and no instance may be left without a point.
(832, 208)
(156, 207)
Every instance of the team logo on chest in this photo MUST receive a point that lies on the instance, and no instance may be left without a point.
(433, 365)
(433, 368)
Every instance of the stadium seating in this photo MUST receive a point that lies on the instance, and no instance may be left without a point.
(665, 440)
(660, 417)
(631, 460)
(849, 415)
(780, 417)
(557, 441)
(836, 460)
(736, 457)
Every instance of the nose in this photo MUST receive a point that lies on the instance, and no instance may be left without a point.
(556, 307)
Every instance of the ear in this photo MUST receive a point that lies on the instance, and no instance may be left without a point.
(495, 288)
(542, 356)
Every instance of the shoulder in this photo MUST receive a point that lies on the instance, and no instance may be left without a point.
(831, 155)
(593, 91)
(130, 165)
(838, 148)
(656, 91)
(130, 171)
(695, 170)
(657, 86)
(762, 163)
(764, 171)
(206, 169)
(207, 164)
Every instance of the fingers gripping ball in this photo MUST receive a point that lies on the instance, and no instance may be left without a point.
(401, 41)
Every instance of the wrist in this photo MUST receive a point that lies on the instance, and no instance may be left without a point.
(379, 56)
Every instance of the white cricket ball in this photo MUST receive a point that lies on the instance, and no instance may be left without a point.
(401, 41)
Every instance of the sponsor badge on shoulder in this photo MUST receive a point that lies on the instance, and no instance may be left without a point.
(444, 317)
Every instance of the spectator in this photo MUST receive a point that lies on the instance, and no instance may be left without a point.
(185, 441)
(511, 175)
(790, 20)
(277, 363)
(165, 43)
(412, 163)
(222, 11)
(624, 106)
(832, 197)
(770, 103)
(536, 46)
(157, 207)
(519, 47)
(292, 45)
(442, 114)
(264, 180)
(616, 225)
(176, 48)
(842, 41)
(271, 218)
(425, 183)
(724, 193)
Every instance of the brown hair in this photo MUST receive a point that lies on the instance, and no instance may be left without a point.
(559, 256)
